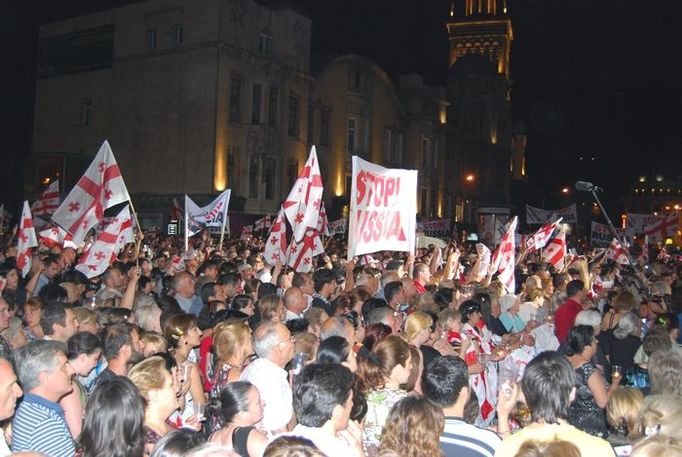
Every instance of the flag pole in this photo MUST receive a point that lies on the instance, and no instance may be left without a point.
(186, 228)
(138, 242)
(222, 230)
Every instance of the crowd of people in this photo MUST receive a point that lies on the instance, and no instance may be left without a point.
(212, 352)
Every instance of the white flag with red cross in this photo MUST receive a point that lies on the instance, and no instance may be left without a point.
(504, 258)
(617, 253)
(101, 187)
(323, 222)
(664, 228)
(54, 235)
(302, 253)
(106, 247)
(555, 252)
(276, 245)
(263, 223)
(48, 203)
(26, 241)
(539, 239)
(302, 206)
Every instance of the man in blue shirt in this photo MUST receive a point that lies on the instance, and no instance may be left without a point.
(39, 424)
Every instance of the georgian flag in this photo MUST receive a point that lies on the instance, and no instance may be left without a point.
(101, 187)
(263, 223)
(302, 253)
(54, 235)
(276, 245)
(504, 259)
(555, 252)
(106, 247)
(302, 206)
(539, 239)
(48, 203)
(26, 241)
(485, 254)
(617, 253)
(323, 222)
(664, 228)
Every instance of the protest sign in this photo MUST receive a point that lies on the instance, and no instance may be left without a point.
(383, 203)
(600, 234)
(542, 216)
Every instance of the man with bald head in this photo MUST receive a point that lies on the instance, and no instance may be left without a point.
(295, 302)
(183, 292)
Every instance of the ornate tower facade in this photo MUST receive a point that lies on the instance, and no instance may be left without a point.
(481, 27)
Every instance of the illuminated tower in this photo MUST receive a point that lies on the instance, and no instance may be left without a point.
(481, 27)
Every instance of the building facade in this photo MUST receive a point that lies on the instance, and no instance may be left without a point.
(199, 96)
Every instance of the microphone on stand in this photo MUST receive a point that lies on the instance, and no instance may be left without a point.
(585, 186)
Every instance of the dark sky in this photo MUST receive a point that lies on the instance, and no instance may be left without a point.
(591, 78)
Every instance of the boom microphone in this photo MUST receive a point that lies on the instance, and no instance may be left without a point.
(586, 186)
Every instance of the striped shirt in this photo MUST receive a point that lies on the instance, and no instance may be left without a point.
(460, 439)
(39, 426)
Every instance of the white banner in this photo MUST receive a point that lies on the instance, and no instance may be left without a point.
(212, 215)
(383, 208)
(543, 216)
(338, 227)
(600, 234)
(439, 228)
(638, 222)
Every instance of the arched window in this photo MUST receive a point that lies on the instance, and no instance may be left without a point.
(265, 42)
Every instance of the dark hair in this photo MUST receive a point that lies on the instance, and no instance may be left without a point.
(547, 384)
(443, 297)
(485, 301)
(334, 349)
(241, 301)
(322, 277)
(207, 291)
(114, 337)
(318, 389)
(391, 289)
(374, 333)
(656, 341)
(266, 288)
(228, 279)
(371, 304)
(579, 337)
(74, 277)
(666, 322)
(178, 443)
(114, 420)
(232, 400)
(53, 313)
(111, 315)
(574, 287)
(296, 326)
(82, 343)
(143, 281)
(443, 380)
(468, 307)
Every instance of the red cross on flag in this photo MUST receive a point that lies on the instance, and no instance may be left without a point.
(107, 245)
(302, 253)
(504, 259)
(101, 187)
(26, 241)
(47, 204)
(323, 222)
(617, 253)
(302, 206)
(539, 239)
(54, 235)
(276, 245)
(664, 228)
(555, 252)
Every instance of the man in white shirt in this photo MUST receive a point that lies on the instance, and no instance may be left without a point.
(323, 399)
(274, 346)
(295, 302)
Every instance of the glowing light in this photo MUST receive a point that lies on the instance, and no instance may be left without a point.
(676, 207)
(443, 114)
(659, 178)
(46, 180)
(220, 167)
(470, 177)
(642, 179)
(565, 190)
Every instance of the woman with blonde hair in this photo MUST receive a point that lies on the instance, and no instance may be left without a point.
(662, 414)
(155, 384)
(271, 307)
(622, 412)
(316, 317)
(623, 303)
(87, 319)
(380, 375)
(232, 348)
(413, 429)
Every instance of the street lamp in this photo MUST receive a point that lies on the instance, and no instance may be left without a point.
(470, 177)
(562, 191)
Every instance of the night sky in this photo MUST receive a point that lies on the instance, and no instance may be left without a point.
(597, 79)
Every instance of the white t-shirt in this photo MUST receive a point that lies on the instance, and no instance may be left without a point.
(273, 384)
